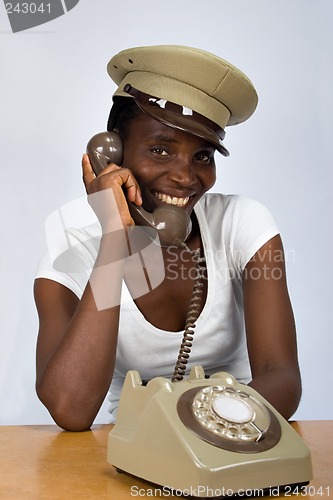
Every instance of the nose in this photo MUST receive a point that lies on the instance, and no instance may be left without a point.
(182, 172)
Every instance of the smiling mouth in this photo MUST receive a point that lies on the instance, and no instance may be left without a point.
(171, 200)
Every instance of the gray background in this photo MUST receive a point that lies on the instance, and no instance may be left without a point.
(55, 94)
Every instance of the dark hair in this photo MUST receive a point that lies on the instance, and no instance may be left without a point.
(123, 111)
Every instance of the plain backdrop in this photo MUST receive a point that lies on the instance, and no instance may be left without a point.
(55, 94)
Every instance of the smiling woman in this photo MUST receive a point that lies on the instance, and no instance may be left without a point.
(169, 164)
(170, 111)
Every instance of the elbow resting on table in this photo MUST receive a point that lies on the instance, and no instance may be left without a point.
(64, 413)
(281, 388)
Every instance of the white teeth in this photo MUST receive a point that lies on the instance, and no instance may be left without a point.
(172, 200)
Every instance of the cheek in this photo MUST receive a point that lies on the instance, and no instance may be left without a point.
(208, 178)
(129, 156)
(141, 170)
(132, 160)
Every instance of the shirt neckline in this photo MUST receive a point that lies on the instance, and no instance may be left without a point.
(206, 241)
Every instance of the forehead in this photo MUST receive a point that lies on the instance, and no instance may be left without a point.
(147, 129)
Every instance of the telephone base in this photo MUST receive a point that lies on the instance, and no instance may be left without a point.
(201, 435)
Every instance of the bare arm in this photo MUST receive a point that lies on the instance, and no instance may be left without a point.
(77, 338)
(270, 329)
(75, 354)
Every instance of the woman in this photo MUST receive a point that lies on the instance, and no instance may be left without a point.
(170, 111)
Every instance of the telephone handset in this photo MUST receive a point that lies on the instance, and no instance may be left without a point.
(172, 223)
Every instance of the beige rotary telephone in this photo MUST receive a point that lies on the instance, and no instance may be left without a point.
(201, 436)
(205, 437)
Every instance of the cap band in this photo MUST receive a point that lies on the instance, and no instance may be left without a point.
(178, 92)
(180, 117)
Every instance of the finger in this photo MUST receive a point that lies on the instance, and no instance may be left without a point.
(109, 168)
(124, 178)
(88, 174)
(128, 182)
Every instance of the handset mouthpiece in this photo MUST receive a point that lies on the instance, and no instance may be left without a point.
(172, 223)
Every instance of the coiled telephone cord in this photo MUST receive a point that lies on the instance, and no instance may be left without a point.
(192, 316)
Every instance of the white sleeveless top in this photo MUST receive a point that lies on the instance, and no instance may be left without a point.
(233, 229)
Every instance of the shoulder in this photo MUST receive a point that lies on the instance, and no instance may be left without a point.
(236, 223)
(231, 206)
(70, 257)
(73, 241)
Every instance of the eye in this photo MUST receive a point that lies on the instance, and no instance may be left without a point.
(205, 156)
(159, 150)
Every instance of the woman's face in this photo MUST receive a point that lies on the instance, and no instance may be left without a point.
(171, 166)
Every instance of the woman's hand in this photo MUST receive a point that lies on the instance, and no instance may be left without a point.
(109, 192)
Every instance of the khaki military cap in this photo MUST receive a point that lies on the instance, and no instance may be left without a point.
(186, 88)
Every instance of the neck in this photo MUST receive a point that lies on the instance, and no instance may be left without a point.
(194, 240)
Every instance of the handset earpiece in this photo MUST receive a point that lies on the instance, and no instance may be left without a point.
(172, 223)
(104, 148)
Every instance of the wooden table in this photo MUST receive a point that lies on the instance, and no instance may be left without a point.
(43, 462)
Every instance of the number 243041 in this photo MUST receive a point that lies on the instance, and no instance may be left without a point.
(308, 491)
(28, 8)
